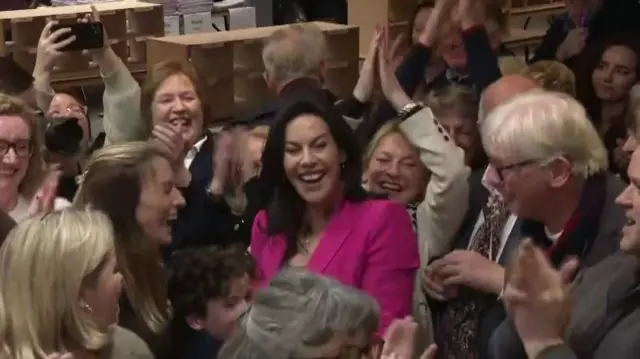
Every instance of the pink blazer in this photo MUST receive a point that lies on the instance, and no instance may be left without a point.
(369, 245)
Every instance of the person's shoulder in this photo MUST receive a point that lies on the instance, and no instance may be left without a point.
(126, 344)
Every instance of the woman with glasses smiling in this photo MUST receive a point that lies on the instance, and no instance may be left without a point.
(22, 168)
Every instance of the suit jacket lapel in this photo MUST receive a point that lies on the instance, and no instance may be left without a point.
(202, 166)
(511, 245)
(333, 239)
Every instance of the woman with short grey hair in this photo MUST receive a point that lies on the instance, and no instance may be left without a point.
(301, 315)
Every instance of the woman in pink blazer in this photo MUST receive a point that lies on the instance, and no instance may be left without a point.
(319, 216)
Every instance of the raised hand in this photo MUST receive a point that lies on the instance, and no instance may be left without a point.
(49, 46)
(537, 298)
(389, 82)
(222, 162)
(400, 339)
(573, 43)
(44, 200)
(366, 82)
(169, 138)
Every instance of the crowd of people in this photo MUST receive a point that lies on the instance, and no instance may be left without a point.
(461, 204)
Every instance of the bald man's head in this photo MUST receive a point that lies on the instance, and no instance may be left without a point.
(503, 90)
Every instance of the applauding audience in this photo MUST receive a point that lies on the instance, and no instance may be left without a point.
(458, 184)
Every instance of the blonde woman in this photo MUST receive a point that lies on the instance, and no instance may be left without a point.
(21, 163)
(135, 186)
(59, 290)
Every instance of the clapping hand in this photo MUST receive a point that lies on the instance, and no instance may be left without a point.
(389, 82)
(573, 43)
(620, 156)
(44, 200)
(169, 138)
(537, 298)
(399, 341)
(366, 81)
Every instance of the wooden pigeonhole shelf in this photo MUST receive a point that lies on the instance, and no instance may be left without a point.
(128, 25)
(230, 65)
(367, 14)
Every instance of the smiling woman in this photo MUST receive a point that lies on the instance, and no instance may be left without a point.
(134, 185)
(393, 166)
(21, 162)
(319, 216)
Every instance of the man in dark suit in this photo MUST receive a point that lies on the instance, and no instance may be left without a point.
(556, 180)
(468, 280)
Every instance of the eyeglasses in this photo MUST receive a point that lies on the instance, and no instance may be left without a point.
(21, 149)
(500, 170)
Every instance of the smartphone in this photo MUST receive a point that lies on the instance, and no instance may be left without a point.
(88, 36)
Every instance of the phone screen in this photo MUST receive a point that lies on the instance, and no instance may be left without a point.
(88, 36)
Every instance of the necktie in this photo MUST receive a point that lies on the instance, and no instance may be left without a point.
(460, 320)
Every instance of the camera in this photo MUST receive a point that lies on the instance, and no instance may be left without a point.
(63, 136)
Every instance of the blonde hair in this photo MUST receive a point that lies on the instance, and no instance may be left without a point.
(112, 183)
(552, 76)
(295, 51)
(389, 128)
(46, 261)
(540, 125)
(632, 115)
(12, 106)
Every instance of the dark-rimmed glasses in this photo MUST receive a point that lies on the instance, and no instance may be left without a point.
(500, 169)
(21, 149)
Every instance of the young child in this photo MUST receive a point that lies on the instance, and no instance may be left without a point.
(209, 289)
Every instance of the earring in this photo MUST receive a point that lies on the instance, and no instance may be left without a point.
(87, 307)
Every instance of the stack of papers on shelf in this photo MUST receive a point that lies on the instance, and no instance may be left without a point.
(170, 7)
(78, 2)
(194, 6)
(227, 4)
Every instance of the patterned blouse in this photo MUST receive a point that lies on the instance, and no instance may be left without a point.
(412, 208)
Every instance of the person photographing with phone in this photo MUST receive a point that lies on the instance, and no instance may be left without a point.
(66, 112)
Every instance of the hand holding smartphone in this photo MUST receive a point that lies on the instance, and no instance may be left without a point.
(88, 36)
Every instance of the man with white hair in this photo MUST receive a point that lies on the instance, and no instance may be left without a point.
(547, 180)
(474, 264)
(549, 165)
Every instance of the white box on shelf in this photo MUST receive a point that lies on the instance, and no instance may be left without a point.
(219, 23)
(197, 23)
(172, 25)
(242, 18)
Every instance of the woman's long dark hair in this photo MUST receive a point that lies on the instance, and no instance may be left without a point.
(285, 208)
(588, 63)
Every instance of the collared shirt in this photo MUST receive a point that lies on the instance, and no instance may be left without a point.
(193, 152)
(508, 226)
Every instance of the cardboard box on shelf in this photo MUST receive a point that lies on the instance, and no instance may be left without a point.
(197, 23)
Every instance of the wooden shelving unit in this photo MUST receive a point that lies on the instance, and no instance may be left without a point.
(397, 15)
(128, 24)
(230, 63)
(368, 13)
